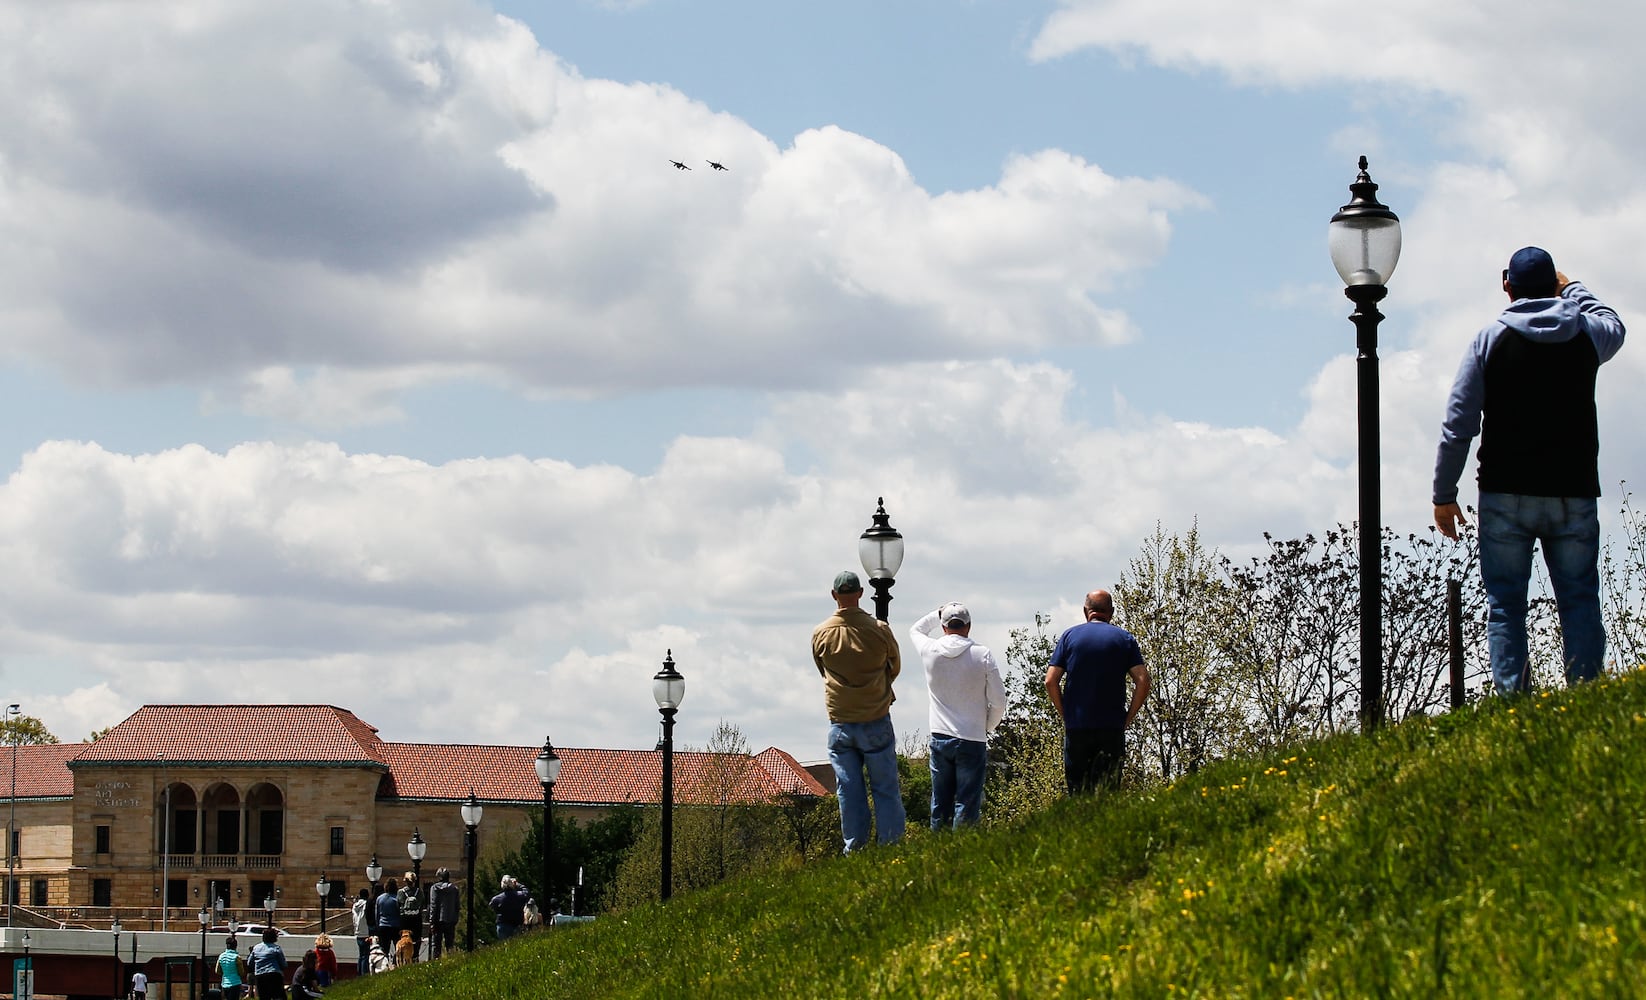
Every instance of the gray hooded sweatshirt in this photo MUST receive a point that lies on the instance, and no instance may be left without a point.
(1527, 387)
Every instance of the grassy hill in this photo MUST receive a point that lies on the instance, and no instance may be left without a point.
(1497, 852)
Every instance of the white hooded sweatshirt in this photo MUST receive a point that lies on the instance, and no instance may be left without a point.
(968, 698)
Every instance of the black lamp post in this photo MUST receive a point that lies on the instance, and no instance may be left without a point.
(27, 993)
(881, 549)
(548, 772)
(204, 916)
(12, 711)
(374, 874)
(669, 688)
(269, 903)
(472, 812)
(322, 889)
(119, 980)
(1364, 239)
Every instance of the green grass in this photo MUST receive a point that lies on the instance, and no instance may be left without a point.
(1497, 852)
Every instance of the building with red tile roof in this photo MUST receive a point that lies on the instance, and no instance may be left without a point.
(189, 803)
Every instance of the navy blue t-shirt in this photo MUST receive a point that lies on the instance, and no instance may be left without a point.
(1096, 657)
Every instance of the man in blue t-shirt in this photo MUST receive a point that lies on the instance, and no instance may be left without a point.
(1087, 685)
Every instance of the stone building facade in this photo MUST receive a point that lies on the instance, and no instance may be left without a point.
(180, 805)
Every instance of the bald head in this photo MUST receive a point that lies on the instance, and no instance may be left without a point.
(1099, 606)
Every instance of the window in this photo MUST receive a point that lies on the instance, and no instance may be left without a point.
(102, 892)
(339, 893)
(103, 839)
(37, 893)
(337, 840)
(12, 893)
(16, 845)
(260, 890)
(177, 892)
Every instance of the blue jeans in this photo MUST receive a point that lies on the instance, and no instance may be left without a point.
(958, 767)
(1569, 530)
(856, 747)
(506, 931)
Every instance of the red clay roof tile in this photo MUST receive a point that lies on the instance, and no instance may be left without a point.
(327, 735)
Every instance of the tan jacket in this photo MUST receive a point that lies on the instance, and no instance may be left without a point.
(858, 658)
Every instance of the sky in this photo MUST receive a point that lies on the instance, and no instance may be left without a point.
(374, 353)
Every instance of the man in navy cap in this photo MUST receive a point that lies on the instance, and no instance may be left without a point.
(1527, 387)
(858, 658)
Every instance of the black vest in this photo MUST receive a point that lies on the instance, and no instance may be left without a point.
(1539, 434)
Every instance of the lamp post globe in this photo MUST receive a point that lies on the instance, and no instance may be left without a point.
(880, 548)
(269, 904)
(472, 812)
(1364, 241)
(374, 874)
(669, 690)
(416, 849)
(547, 765)
(322, 889)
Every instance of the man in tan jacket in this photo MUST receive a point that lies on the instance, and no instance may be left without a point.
(858, 658)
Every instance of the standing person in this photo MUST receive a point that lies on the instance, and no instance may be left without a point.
(388, 917)
(1087, 684)
(410, 899)
(139, 986)
(1527, 386)
(268, 967)
(325, 959)
(859, 659)
(231, 970)
(442, 913)
(510, 907)
(968, 700)
(363, 932)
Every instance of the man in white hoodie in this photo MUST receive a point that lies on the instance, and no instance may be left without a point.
(968, 700)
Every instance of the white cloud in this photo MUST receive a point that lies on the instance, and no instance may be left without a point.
(397, 193)
(517, 591)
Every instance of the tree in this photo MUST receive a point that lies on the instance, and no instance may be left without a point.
(1026, 752)
(27, 731)
(1623, 584)
(595, 848)
(722, 834)
(1291, 645)
(1178, 606)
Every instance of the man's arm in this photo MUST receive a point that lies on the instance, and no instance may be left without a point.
(995, 709)
(1140, 691)
(817, 655)
(1460, 426)
(926, 630)
(1054, 688)
(1602, 322)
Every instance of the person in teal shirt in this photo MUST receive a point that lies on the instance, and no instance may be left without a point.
(229, 970)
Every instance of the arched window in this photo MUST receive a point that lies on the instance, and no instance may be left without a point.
(221, 825)
(174, 818)
(265, 821)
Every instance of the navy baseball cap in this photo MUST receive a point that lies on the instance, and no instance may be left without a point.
(1532, 272)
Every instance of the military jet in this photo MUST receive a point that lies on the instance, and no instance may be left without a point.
(679, 166)
(717, 166)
